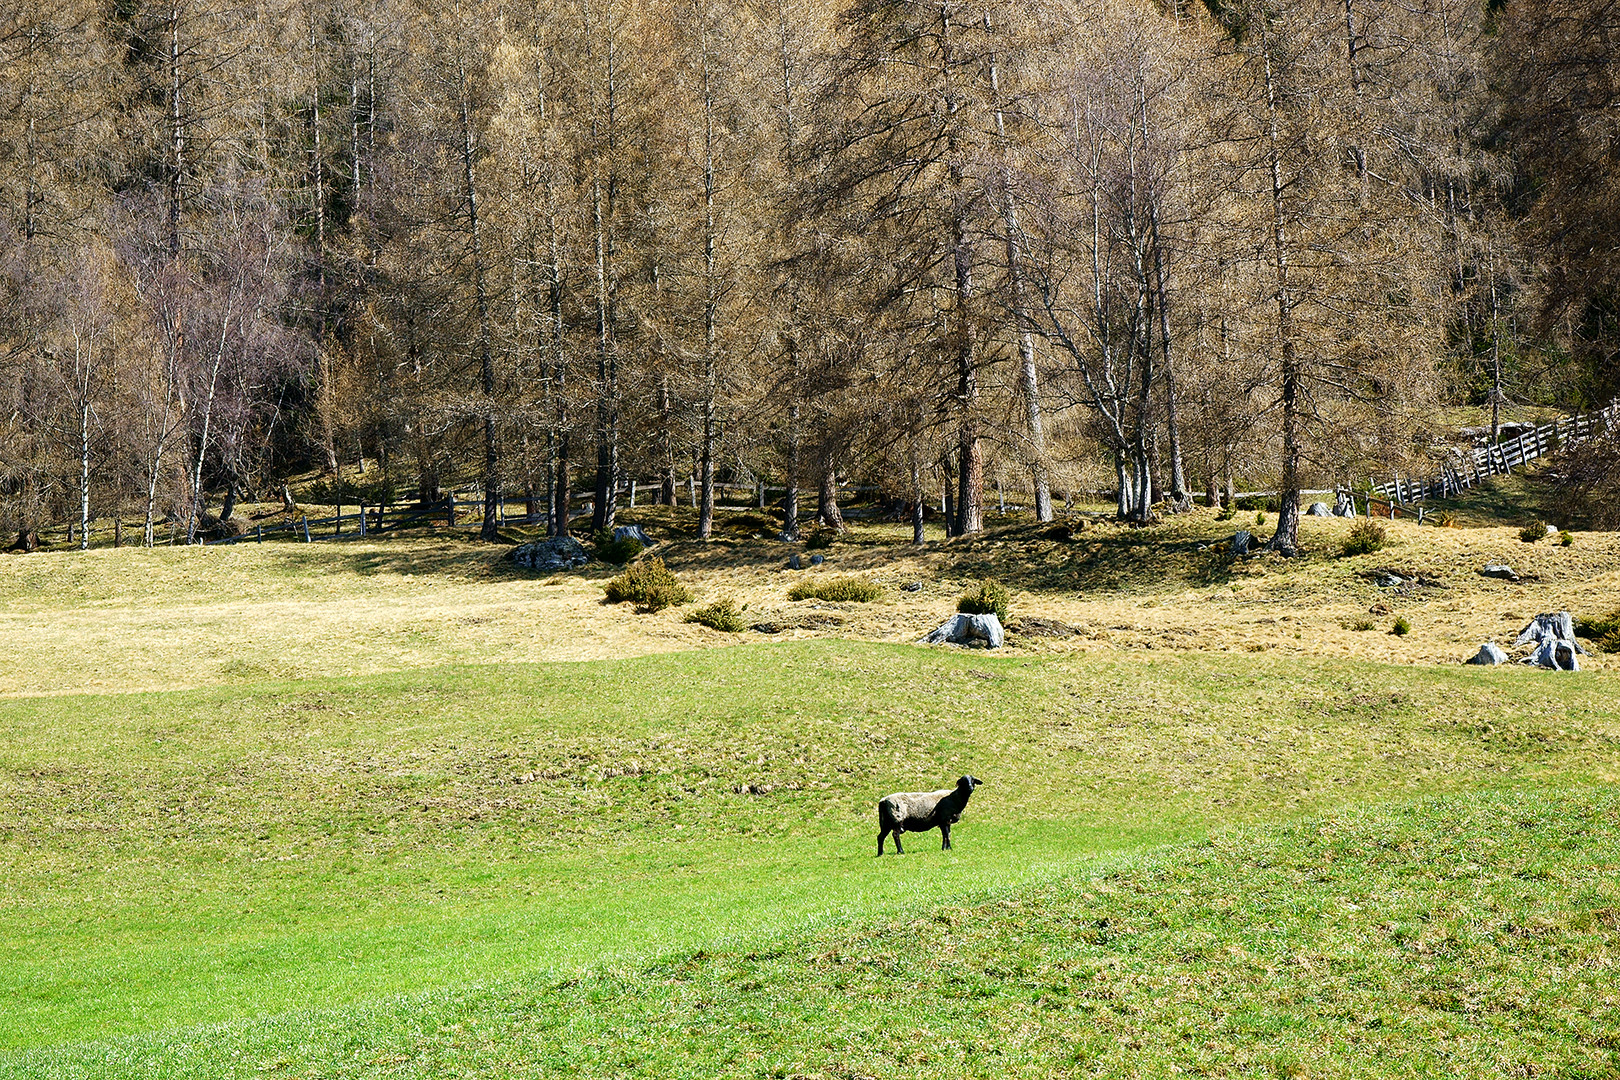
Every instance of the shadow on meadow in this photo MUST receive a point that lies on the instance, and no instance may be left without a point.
(1525, 496)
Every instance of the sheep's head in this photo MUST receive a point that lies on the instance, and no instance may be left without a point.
(969, 782)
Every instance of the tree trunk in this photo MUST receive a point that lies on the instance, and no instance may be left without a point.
(918, 500)
(1179, 495)
(666, 443)
(970, 451)
(491, 479)
(827, 511)
(711, 296)
(604, 191)
(1286, 539)
(84, 473)
(1028, 377)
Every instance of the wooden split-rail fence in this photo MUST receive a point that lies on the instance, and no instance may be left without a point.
(463, 509)
(1465, 470)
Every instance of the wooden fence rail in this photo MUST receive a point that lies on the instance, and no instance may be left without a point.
(1500, 459)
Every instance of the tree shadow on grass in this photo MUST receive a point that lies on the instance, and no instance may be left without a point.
(1519, 499)
(1102, 557)
(443, 556)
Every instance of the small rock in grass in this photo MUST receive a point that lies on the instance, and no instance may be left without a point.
(794, 563)
(1243, 542)
(1319, 509)
(911, 586)
(1489, 654)
(817, 560)
(1498, 570)
(632, 532)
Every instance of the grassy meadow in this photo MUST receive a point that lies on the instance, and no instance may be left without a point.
(396, 809)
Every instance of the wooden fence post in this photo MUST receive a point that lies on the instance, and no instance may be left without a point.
(307, 538)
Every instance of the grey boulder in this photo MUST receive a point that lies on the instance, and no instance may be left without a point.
(794, 563)
(1490, 654)
(1498, 570)
(1319, 509)
(966, 629)
(1243, 542)
(553, 553)
(817, 560)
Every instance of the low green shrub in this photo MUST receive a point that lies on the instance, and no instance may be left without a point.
(1260, 518)
(1603, 630)
(1362, 624)
(989, 598)
(650, 585)
(1228, 512)
(819, 540)
(1533, 532)
(614, 551)
(1401, 627)
(857, 590)
(1565, 539)
(723, 614)
(1365, 538)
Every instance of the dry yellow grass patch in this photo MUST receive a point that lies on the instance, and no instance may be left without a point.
(170, 617)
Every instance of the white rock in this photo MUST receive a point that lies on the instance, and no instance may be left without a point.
(1489, 653)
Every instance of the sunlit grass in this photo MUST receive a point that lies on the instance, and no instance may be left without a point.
(188, 857)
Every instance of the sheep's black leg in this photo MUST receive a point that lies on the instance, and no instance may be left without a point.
(945, 831)
(898, 850)
(883, 833)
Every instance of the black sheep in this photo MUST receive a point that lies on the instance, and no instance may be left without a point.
(919, 811)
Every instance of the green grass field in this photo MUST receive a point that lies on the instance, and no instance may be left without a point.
(335, 811)
(663, 865)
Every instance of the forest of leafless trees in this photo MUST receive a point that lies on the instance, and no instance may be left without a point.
(1152, 248)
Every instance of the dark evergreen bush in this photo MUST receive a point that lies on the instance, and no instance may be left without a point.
(649, 585)
(721, 615)
(988, 598)
(1365, 538)
(852, 589)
